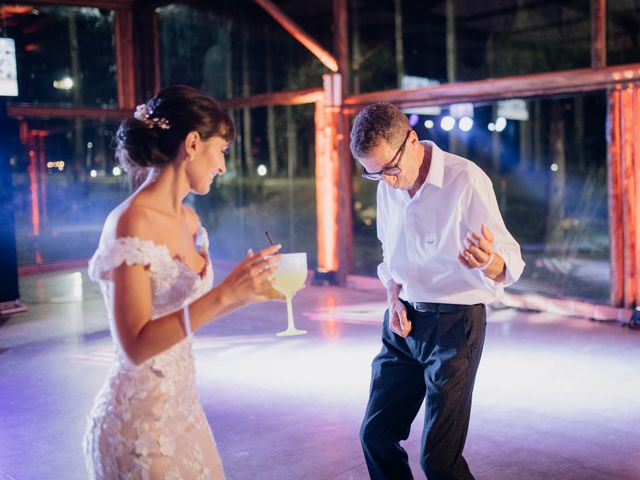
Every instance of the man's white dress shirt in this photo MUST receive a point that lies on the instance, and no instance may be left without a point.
(423, 236)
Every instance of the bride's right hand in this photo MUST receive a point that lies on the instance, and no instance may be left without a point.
(252, 279)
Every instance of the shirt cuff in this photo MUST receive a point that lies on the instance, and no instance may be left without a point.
(496, 287)
(384, 274)
(514, 265)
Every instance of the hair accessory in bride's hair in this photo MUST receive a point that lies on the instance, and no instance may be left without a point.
(144, 113)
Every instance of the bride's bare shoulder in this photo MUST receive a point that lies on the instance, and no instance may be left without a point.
(127, 220)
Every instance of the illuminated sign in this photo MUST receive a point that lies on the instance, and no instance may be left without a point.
(8, 68)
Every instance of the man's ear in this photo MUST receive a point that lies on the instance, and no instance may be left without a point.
(190, 143)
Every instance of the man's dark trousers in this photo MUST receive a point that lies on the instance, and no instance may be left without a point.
(440, 357)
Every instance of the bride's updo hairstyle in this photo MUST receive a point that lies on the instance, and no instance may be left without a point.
(152, 136)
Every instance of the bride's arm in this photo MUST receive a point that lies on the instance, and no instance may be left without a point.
(141, 338)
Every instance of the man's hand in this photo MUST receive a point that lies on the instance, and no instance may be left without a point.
(398, 322)
(479, 254)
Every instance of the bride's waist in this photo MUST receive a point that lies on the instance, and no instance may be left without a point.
(127, 388)
(176, 357)
(148, 405)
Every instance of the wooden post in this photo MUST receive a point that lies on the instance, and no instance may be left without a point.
(345, 195)
(327, 175)
(147, 53)
(598, 33)
(125, 65)
(399, 44)
(326, 203)
(333, 187)
(636, 172)
(615, 200)
(341, 43)
(629, 193)
(623, 160)
(340, 144)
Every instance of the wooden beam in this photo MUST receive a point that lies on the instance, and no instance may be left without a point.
(21, 112)
(303, 37)
(105, 4)
(294, 97)
(598, 33)
(125, 63)
(540, 84)
(151, 5)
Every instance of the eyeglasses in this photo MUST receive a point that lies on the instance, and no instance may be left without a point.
(392, 168)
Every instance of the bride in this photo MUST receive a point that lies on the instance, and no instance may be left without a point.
(156, 279)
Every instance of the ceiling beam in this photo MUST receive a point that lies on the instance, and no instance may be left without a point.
(539, 84)
(299, 34)
(21, 112)
(294, 97)
(105, 4)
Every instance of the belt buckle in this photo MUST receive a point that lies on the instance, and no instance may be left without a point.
(417, 307)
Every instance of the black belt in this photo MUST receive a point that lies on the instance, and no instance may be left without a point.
(427, 307)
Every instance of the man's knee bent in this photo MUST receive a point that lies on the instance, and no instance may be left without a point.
(371, 436)
(367, 437)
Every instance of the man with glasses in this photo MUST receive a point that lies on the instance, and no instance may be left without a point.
(446, 253)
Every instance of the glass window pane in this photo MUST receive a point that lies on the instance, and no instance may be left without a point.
(231, 52)
(623, 32)
(451, 41)
(65, 55)
(549, 172)
(269, 185)
(65, 184)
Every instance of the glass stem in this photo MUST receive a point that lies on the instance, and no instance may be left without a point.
(290, 324)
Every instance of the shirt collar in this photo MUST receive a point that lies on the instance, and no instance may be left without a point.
(436, 169)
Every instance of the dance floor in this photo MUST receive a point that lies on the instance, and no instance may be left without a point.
(555, 398)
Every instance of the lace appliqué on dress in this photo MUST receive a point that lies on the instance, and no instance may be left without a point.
(147, 422)
(134, 251)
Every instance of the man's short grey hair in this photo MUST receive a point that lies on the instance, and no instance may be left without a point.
(380, 121)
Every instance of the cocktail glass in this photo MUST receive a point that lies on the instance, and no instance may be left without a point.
(290, 277)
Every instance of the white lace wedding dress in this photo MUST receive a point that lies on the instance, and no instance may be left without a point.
(147, 422)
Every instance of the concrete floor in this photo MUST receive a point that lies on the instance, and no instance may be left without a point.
(556, 397)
